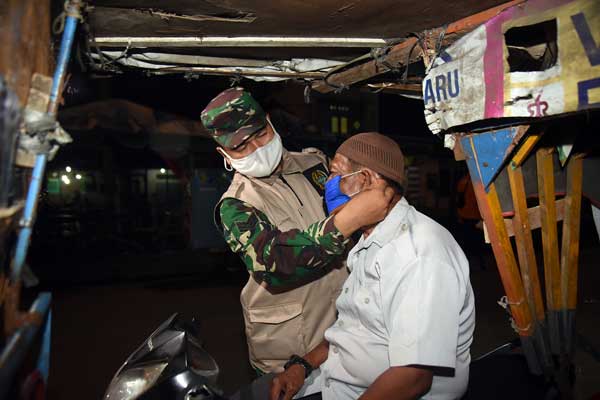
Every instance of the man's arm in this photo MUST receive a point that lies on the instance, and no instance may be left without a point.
(400, 383)
(296, 253)
(290, 381)
(278, 254)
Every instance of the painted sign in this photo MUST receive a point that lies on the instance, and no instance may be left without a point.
(536, 59)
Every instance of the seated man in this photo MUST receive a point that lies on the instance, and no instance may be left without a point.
(406, 313)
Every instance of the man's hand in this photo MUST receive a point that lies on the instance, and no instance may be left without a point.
(286, 384)
(365, 209)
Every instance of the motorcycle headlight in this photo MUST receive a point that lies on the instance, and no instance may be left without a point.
(131, 383)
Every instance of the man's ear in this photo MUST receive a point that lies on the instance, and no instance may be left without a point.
(369, 177)
(372, 177)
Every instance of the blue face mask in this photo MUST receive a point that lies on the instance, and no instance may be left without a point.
(334, 197)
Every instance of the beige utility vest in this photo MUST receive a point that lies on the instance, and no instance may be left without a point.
(292, 321)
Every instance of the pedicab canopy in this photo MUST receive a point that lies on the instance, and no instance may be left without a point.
(536, 59)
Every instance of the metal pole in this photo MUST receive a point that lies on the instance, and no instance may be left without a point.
(28, 216)
(18, 345)
(40, 160)
(63, 57)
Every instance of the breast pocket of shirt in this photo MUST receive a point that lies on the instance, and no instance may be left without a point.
(368, 303)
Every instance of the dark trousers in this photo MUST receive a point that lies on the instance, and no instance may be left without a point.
(259, 390)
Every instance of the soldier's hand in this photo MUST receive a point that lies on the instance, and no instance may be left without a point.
(366, 208)
(372, 205)
(286, 384)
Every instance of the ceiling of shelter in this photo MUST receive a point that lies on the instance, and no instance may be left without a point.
(326, 18)
(190, 36)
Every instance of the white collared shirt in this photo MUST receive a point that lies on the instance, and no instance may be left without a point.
(407, 301)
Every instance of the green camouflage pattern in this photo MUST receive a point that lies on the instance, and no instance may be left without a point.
(279, 258)
(232, 117)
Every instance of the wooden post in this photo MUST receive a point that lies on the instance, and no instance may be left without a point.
(491, 211)
(528, 263)
(524, 242)
(570, 251)
(545, 174)
(25, 34)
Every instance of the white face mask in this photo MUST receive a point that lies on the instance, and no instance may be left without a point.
(262, 162)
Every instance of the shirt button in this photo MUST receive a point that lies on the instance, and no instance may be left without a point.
(341, 323)
(367, 300)
(404, 227)
(335, 350)
(327, 383)
(346, 290)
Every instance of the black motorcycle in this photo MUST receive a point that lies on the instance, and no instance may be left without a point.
(172, 365)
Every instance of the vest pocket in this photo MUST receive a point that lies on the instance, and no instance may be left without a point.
(275, 332)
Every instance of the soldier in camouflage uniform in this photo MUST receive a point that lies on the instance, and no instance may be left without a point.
(272, 216)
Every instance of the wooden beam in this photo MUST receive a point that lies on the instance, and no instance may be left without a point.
(545, 174)
(25, 33)
(524, 242)
(525, 149)
(545, 171)
(570, 251)
(570, 233)
(534, 217)
(491, 212)
(489, 206)
(398, 56)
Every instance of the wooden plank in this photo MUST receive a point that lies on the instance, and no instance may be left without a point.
(489, 206)
(398, 55)
(570, 234)
(25, 33)
(524, 242)
(547, 206)
(534, 216)
(525, 149)
(491, 211)
(545, 175)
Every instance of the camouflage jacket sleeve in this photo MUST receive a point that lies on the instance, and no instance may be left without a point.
(280, 257)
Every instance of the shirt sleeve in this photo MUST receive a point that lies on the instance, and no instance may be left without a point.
(280, 256)
(421, 305)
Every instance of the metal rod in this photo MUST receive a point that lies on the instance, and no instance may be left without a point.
(63, 59)
(40, 160)
(235, 41)
(18, 344)
(43, 363)
(237, 71)
(28, 216)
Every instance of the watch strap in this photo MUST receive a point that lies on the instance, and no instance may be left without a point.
(296, 359)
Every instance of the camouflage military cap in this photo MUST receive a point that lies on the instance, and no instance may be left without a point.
(232, 117)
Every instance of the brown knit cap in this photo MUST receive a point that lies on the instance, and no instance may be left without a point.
(377, 152)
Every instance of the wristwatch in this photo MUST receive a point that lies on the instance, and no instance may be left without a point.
(296, 359)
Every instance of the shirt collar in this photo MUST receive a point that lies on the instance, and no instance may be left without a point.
(386, 230)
